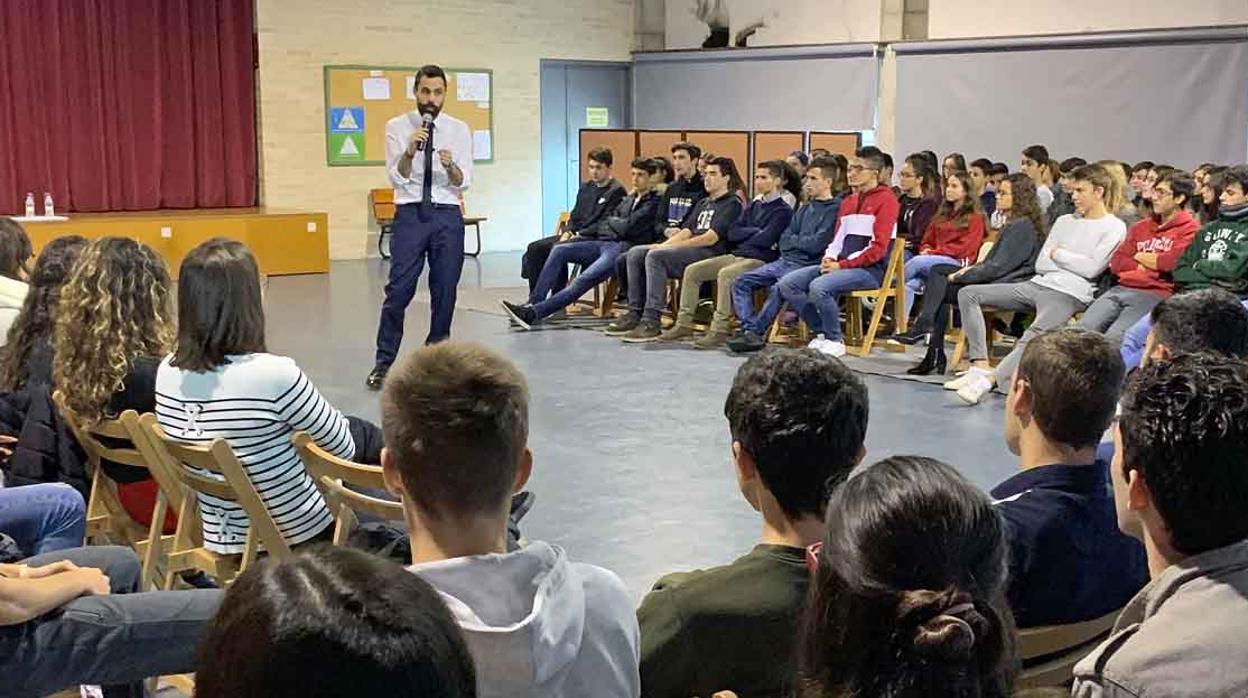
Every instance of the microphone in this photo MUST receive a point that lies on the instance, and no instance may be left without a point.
(426, 120)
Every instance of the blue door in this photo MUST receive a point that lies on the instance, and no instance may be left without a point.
(568, 90)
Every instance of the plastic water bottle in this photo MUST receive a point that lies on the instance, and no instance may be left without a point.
(48, 209)
(30, 204)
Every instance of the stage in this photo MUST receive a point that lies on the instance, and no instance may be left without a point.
(284, 241)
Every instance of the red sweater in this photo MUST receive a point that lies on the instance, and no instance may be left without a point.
(1168, 241)
(877, 209)
(951, 238)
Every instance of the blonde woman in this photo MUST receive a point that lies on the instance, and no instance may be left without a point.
(113, 326)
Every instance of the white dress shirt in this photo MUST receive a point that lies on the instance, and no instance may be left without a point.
(448, 133)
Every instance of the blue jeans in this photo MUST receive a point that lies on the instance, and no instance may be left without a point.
(917, 269)
(597, 256)
(43, 518)
(814, 294)
(743, 290)
(1133, 341)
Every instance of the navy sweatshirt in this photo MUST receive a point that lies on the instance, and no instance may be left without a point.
(758, 230)
(810, 231)
(593, 204)
(677, 203)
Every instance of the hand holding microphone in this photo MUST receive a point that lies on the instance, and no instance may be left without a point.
(421, 136)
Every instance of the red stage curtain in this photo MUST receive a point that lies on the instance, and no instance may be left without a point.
(127, 105)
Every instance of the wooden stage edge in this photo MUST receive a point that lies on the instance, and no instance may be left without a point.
(284, 241)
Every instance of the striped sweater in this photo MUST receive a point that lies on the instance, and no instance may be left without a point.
(255, 402)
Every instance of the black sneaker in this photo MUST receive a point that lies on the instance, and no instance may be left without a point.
(746, 343)
(644, 332)
(377, 377)
(522, 315)
(623, 326)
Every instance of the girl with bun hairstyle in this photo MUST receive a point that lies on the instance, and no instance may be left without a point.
(909, 592)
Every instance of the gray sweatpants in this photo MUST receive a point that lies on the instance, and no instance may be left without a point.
(649, 268)
(1117, 311)
(1053, 309)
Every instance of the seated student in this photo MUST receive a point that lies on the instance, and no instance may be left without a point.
(1075, 253)
(1011, 259)
(595, 200)
(114, 326)
(1068, 560)
(43, 517)
(1209, 193)
(220, 382)
(983, 186)
(801, 244)
(15, 254)
(854, 260)
(751, 243)
(1138, 179)
(1144, 261)
(952, 164)
(456, 420)
(28, 358)
(998, 174)
(798, 419)
(1216, 257)
(920, 197)
(682, 193)
(1035, 164)
(1180, 479)
(952, 238)
(650, 266)
(1126, 211)
(333, 623)
(820, 153)
(78, 616)
(1062, 203)
(799, 161)
(909, 589)
(595, 249)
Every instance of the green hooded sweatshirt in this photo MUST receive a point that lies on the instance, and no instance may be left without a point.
(1218, 256)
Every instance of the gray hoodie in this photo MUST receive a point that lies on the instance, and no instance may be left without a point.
(539, 625)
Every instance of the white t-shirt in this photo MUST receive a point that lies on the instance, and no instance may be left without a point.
(1084, 246)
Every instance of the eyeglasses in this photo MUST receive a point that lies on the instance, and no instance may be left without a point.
(907, 175)
(1159, 193)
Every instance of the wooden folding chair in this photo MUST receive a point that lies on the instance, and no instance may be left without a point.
(216, 471)
(382, 205)
(799, 336)
(334, 475)
(892, 287)
(1058, 648)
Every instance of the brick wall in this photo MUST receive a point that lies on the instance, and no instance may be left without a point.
(298, 37)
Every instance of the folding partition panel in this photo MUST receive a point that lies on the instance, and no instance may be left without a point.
(842, 143)
(623, 146)
(733, 144)
(1170, 96)
(658, 143)
(776, 145)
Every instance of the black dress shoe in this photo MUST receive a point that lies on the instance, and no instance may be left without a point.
(377, 377)
(933, 362)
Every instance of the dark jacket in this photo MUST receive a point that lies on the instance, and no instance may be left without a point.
(809, 232)
(631, 222)
(677, 203)
(758, 230)
(915, 214)
(593, 203)
(1012, 257)
(1062, 205)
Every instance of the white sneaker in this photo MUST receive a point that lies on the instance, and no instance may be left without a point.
(833, 348)
(976, 388)
(963, 378)
(817, 343)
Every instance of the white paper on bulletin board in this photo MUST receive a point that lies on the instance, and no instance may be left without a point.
(482, 145)
(472, 87)
(377, 88)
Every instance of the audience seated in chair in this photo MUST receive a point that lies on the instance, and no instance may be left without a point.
(596, 249)
(1180, 480)
(77, 616)
(1217, 257)
(802, 244)
(798, 420)
(1075, 253)
(918, 201)
(27, 359)
(1143, 263)
(952, 238)
(909, 589)
(220, 382)
(333, 623)
(1035, 164)
(749, 243)
(1012, 258)
(703, 236)
(15, 254)
(1068, 561)
(982, 186)
(456, 421)
(855, 259)
(595, 200)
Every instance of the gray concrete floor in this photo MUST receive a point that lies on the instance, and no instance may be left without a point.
(631, 448)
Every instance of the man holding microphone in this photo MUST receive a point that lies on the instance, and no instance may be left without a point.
(429, 160)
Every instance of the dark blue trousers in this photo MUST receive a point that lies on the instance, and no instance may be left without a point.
(436, 234)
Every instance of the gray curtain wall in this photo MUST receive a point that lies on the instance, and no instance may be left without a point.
(815, 88)
(1179, 97)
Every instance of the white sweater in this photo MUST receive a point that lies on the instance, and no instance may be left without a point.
(1083, 248)
(255, 402)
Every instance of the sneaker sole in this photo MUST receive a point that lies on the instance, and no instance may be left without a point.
(640, 340)
(515, 318)
(616, 333)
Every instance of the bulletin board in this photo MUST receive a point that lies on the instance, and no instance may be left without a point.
(360, 99)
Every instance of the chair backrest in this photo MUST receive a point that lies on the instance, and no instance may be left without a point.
(1055, 649)
(383, 204)
(231, 483)
(332, 476)
(89, 436)
(564, 217)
